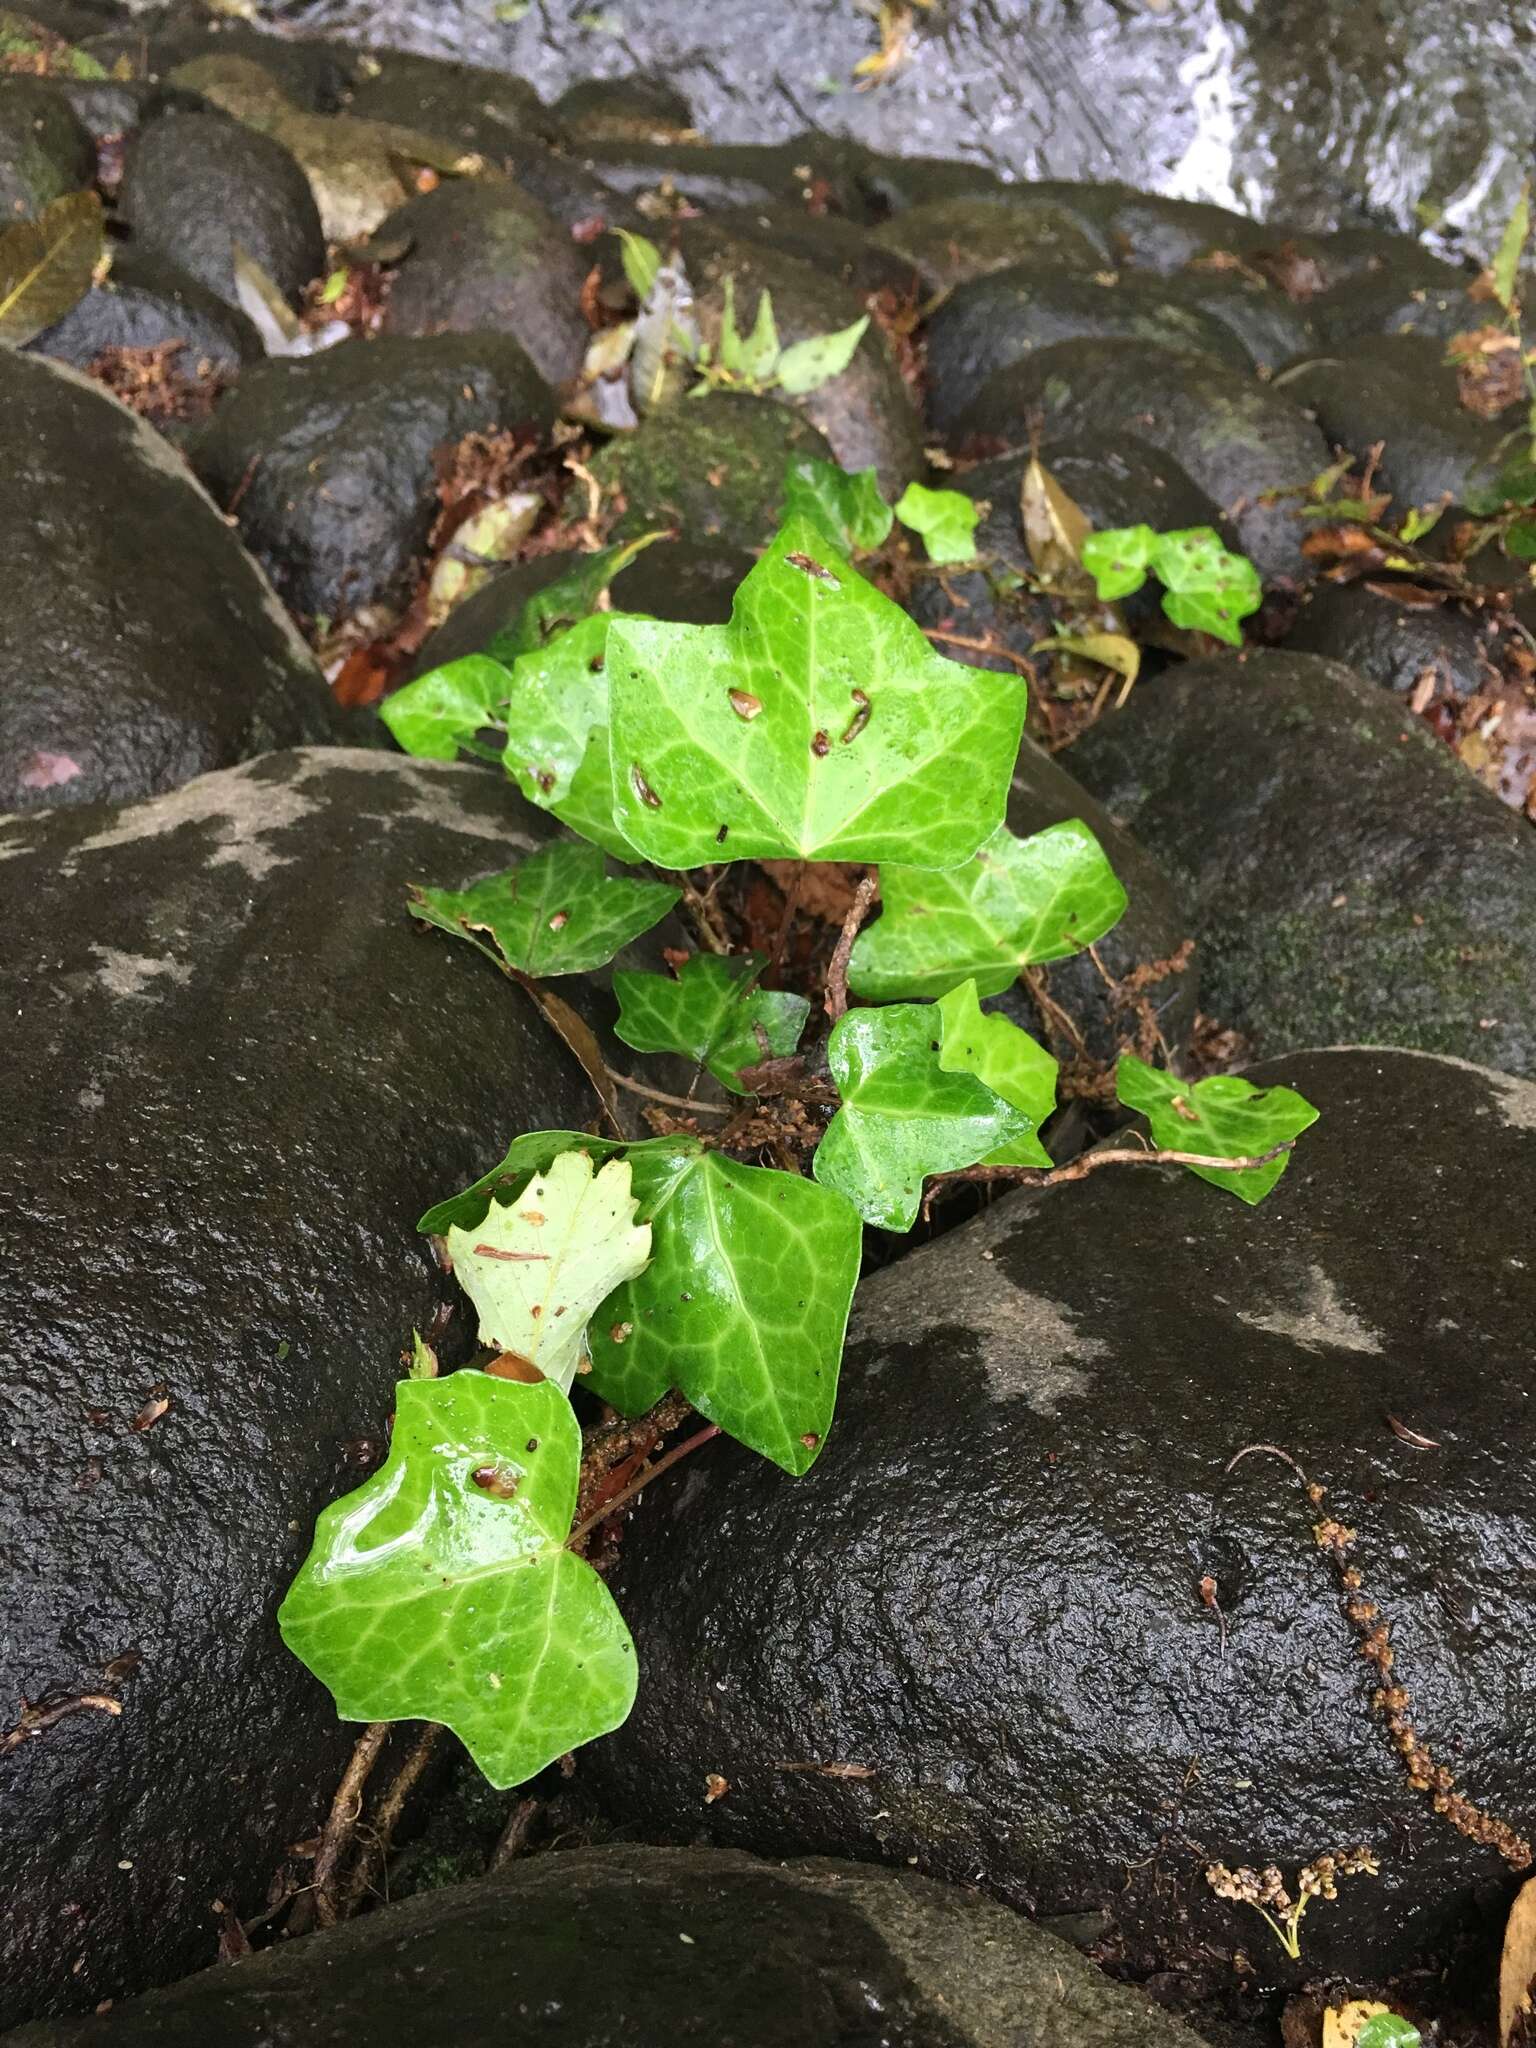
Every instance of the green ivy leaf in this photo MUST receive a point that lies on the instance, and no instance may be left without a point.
(438, 716)
(1224, 1116)
(1206, 589)
(442, 1590)
(807, 365)
(819, 724)
(556, 724)
(1118, 559)
(744, 1304)
(1388, 2030)
(1521, 540)
(902, 1116)
(1010, 1062)
(537, 1269)
(1514, 485)
(557, 605)
(1017, 903)
(712, 1013)
(847, 505)
(945, 519)
(557, 912)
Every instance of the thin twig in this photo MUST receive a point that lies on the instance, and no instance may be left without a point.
(387, 1819)
(606, 1445)
(660, 1095)
(583, 1530)
(703, 909)
(837, 972)
(514, 1836)
(341, 1822)
(1269, 1451)
(33, 1720)
(1021, 662)
(1090, 1162)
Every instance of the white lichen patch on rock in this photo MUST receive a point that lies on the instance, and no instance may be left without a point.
(1316, 1318)
(136, 974)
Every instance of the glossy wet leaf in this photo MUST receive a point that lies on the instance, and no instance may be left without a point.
(712, 1012)
(557, 912)
(751, 356)
(1366, 2023)
(806, 365)
(641, 260)
(846, 503)
(537, 1269)
(442, 1590)
(262, 302)
(902, 1116)
(818, 724)
(1017, 903)
(1011, 1063)
(1388, 2030)
(556, 723)
(744, 1304)
(46, 265)
(1223, 1115)
(439, 715)
(1206, 589)
(945, 519)
(1118, 559)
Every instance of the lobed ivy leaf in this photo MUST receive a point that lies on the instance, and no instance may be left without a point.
(556, 725)
(557, 912)
(557, 605)
(903, 1116)
(442, 1589)
(1118, 560)
(537, 1269)
(1018, 902)
(819, 725)
(846, 504)
(1010, 1062)
(744, 1304)
(945, 519)
(806, 365)
(439, 716)
(1223, 1115)
(713, 1013)
(1206, 589)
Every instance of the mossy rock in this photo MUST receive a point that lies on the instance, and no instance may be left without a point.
(835, 245)
(1431, 448)
(712, 468)
(44, 151)
(951, 240)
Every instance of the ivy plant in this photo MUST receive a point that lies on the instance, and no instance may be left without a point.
(1206, 588)
(818, 725)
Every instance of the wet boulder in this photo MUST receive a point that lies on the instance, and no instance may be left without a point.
(44, 151)
(623, 108)
(1000, 318)
(867, 412)
(951, 240)
(196, 185)
(327, 461)
(1397, 642)
(1150, 231)
(147, 302)
(835, 245)
(135, 652)
(465, 104)
(247, 1074)
(987, 1594)
(695, 1945)
(1349, 879)
(712, 468)
(1272, 327)
(1432, 449)
(1234, 436)
(481, 256)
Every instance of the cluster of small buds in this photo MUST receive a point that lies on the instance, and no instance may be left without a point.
(1264, 1887)
(1265, 1890)
(1320, 1880)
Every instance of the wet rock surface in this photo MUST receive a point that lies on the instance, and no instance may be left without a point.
(44, 151)
(247, 1077)
(988, 1590)
(197, 185)
(1234, 437)
(696, 1946)
(145, 303)
(1349, 880)
(332, 455)
(1394, 642)
(1431, 449)
(135, 652)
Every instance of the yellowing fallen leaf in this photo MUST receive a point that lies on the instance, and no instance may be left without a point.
(1055, 526)
(1517, 1968)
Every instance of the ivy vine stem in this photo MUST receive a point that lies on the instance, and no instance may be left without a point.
(1090, 1162)
(609, 1508)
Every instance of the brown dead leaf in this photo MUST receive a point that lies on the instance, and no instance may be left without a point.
(1342, 2023)
(1490, 370)
(1517, 1968)
(1297, 274)
(1055, 527)
(826, 889)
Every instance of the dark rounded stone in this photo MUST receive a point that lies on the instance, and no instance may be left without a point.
(1234, 437)
(144, 303)
(700, 1946)
(951, 240)
(313, 73)
(1406, 291)
(44, 151)
(1348, 878)
(1432, 449)
(867, 413)
(139, 645)
(712, 468)
(247, 1076)
(194, 185)
(485, 258)
(622, 106)
(447, 98)
(1152, 232)
(110, 109)
(891, 184)
(332, 455)
(835, 245)
(988, 1590)
(1271, 327)
(1395, 642)
(990, 321)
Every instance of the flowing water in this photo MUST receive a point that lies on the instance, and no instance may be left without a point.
(1406, 112)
